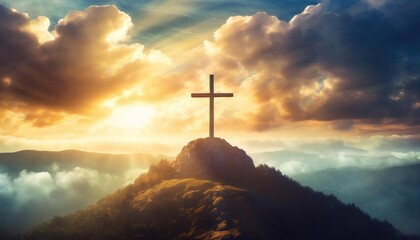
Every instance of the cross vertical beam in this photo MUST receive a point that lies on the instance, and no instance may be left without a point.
(211, 95)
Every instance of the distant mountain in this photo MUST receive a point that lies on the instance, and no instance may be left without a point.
(213, 191)
(391, 193)
(37, 161)
(309, 159)
(291, 162)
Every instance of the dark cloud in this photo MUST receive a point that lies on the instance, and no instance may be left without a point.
(333, 61)
(343, 125)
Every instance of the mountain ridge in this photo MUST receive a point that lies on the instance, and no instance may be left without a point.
(198, 196)
(34, 160)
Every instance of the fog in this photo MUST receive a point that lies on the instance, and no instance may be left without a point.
(34, 197)
(308, 157)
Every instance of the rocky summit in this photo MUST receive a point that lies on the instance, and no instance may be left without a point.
(213, 191)
(212, 159)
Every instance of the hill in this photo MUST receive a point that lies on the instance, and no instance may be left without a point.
(213, 191)
(391, 193)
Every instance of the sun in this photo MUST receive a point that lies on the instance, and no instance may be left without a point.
(131, 117)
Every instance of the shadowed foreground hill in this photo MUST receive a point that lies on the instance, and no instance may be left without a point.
(213, 191)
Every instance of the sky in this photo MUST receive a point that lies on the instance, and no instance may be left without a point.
(116, 76)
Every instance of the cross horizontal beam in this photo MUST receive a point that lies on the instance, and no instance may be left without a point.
(206, 95)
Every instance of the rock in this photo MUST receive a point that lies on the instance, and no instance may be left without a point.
(212, 159)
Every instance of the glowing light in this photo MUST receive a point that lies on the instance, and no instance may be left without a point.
(110, 103)
(131, 117)
(120, 34)
(7, 81)
(156, 56)
(39, 28)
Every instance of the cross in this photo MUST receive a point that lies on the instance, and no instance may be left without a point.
(211, 96)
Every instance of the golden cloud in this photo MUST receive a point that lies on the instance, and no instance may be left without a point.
(83, 61)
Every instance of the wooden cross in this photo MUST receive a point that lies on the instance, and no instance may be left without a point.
(211, 96)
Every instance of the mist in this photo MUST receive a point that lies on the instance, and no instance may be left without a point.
(34, 197)
(307, 157)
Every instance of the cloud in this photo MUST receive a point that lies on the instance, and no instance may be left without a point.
(312, 155)
(330, 62)
(376, 3)
(33, 197)
(71, 70)
(350, 65)
(397, 143)
(343, 125)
